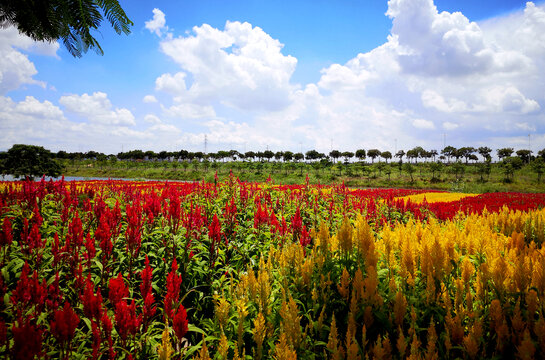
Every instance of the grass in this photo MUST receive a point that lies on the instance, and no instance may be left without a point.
(353, 175)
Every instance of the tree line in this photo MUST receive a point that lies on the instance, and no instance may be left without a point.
(448, 154)
(30, 160)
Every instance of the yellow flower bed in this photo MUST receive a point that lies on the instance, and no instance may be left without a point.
(432, 197)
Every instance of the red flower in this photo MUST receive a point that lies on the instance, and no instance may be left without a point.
(107, 327)
(134, 228)
(214, 230)
(64, 325)
(103, 236)
(174, 212)
(27, 340)
(147, 279)
(75, 231)
(118, 290)
(304, 240)
(29, 291)
(149, 310)
(96, 339)
(126, 321)
(296, 223)
(91, 251)
(55, 297)
(174, 281)
(92, 304)
(145, 289)
(261, 216)
(6, 236)
(180, 322)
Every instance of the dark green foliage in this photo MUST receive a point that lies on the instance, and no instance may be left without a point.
(66, 20)
(30, 160)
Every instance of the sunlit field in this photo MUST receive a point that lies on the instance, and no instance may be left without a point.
(233, 270)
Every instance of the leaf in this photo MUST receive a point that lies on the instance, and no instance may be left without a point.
(193, 328)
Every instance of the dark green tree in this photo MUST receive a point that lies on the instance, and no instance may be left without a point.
(373, 154)
(72, 22)
(465, 152)
(524, 155)
(250, 155)
(30, 161)
(298, 156)
(449, 151)
(484, 151)
(347, 155)
(386, 155)
(268, 154)
(312, 155)
(335, 154)
(360, 154)
(505, 152)
(287, 156)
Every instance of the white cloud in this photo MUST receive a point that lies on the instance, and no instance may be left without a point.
(450, 126)
(443, 44)
(431, 99)
(182, 110)
(148, 99)
(480, 83)
(97, 108)
(150, 118)
(525, 126)
(15, 68)
(509, 99)
(442, 66)
(157, 23)
(172, 84)
(423, 124)
(33, 122)
(240, 66)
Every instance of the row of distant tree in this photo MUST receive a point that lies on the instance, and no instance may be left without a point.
(23, 160)
(415, 154)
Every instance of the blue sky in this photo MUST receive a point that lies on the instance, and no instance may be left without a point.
(286, 75)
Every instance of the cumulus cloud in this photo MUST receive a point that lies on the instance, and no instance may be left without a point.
(423, 124)
(157, 23)
(240, 66)
(510, 99)
(442, 65)
(172, 84)
(31, 121)
(437, 73)
(450, 126)
(15, 68)
(183, 110)
(443, 44)
(152, 119)
(97, 108)
(148, 99)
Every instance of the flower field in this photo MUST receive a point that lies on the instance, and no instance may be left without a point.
(233, 270)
